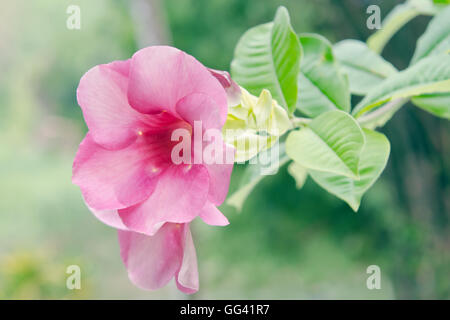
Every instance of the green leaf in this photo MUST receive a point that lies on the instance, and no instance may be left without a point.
(374, 157)
(436, 38)
(379, 117)
(253, 174)
(396, 19)
(332, 142)
(437, 104)
(440, 2)
(430, 75)
(364, 67)
(435, 41)
(268, 57)
(299, 174)
(321, 84)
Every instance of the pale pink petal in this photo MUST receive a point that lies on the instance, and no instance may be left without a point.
(160, 76)
(121, 66)
(152, 261)
(110, 218)
(115, 179)
(178, 197)
(219, 176)
(211, 215)
(187, 276)
(201, 108)
(232, 88)
(102, 95)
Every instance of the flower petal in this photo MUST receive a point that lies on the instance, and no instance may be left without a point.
(110, 218)
(187, 276)
(200, 107)
(160, 76)
(102, 95)
(211, 215)
(121, 66)
(180, 194)
(114, 179)
(219, 176)
(232, 88)
(152, 261)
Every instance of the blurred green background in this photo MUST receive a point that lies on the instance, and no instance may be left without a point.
(286, 244)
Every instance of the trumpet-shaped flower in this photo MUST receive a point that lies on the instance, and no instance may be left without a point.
(124, 166)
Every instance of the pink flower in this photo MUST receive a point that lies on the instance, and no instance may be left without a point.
(232, 88)
(124, 168)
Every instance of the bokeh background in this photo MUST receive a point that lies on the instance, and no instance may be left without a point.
(285, 244)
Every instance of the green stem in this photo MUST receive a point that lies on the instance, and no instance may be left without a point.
(389, 107)
(368, 118)
(299, 121)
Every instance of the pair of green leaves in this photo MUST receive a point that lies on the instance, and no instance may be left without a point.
(338, 155)
(334, 151)
(426, 81)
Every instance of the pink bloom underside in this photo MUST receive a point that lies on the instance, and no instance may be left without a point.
(123, 166)
(153, 261)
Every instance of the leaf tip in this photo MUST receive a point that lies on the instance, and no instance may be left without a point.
(236, 204)
(354, 206)
(282, 11)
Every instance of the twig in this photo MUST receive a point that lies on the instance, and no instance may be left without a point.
(391, 106)
(298, 121)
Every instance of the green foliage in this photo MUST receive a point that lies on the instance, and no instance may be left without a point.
(365, 68)
(299, 173)
(396, 19)
(382, 115)
(254, 173)
(429, 75)
(322, 84)
(441, 1)
(331, 147)
(436, 39)
(435, 103)
(332, 142)
(268, 57)
(37, 275)
(374, 156)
